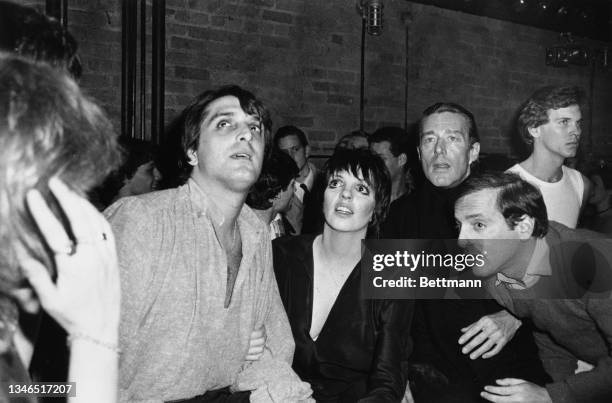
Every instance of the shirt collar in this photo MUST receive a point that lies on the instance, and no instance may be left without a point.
(205, 206)
(309, 180)
(539, 265)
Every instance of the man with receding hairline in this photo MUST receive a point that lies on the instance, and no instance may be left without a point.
(460, 345)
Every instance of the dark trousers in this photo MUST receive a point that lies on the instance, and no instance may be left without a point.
(218, 396)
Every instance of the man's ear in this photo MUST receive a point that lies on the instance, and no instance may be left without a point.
(307, 151)
(192, 156)
(474, 151)
(525, 227)
(402, 159)
(534, 131)
(419, 153)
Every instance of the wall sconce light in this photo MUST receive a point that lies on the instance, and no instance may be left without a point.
(372, 12)
(567, 52)
(562, 56)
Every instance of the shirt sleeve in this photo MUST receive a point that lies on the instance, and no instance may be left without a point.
(133, 232)
(594, 385)
(280, 339)
(387, 382)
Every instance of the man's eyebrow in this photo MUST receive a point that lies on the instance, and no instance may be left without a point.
(216, 115)
(255, 118)
(471, 216)
(456, 131)
(567, 118)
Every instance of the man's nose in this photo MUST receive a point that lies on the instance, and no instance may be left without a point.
(463, 237)
(440, 147)
(244, 132)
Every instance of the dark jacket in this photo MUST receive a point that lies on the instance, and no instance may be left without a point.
(441, 372)
(360, 351)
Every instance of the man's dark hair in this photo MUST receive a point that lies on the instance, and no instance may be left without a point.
(399, 141)
(362, 162)
(286, 131)
(515, 199)
(534, 111)
(441, 107)
(25, 31)
(277, 172)
(136, 152)
(344, 141)
(189, 124)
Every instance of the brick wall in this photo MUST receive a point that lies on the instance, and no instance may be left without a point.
(491, 67)
(303, 58)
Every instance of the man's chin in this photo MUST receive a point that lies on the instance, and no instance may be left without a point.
(241, 181)
(484, 271)
(441, 180)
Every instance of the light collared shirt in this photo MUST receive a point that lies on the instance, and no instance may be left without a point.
(308, 182)
(539, 265)
(277, 229)
(179, 335)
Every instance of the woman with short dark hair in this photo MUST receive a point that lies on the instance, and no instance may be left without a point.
(349, 348)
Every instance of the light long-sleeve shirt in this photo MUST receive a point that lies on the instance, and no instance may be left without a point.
(177, 338)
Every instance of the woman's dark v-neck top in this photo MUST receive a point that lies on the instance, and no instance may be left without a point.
(361, 352)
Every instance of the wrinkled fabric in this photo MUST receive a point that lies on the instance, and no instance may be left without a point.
(177, 338)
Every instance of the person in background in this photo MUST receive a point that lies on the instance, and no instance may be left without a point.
(137, 175)
(55, 144)
(392, 144)
(292, 141)
(600, 218)
(356, 139)
(349, 348)
(270, 197)
(26, 32)
(597, 216)
(550, 124)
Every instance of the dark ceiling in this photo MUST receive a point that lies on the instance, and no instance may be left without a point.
(589, 18)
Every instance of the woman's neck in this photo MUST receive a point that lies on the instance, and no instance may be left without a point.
(341, 246)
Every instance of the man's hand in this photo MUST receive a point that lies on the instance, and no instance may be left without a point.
(489, 334)
(257, 342)
(516, 390)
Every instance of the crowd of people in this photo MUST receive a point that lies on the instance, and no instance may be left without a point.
(233, 273)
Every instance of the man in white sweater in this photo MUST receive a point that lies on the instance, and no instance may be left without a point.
(550, 124)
